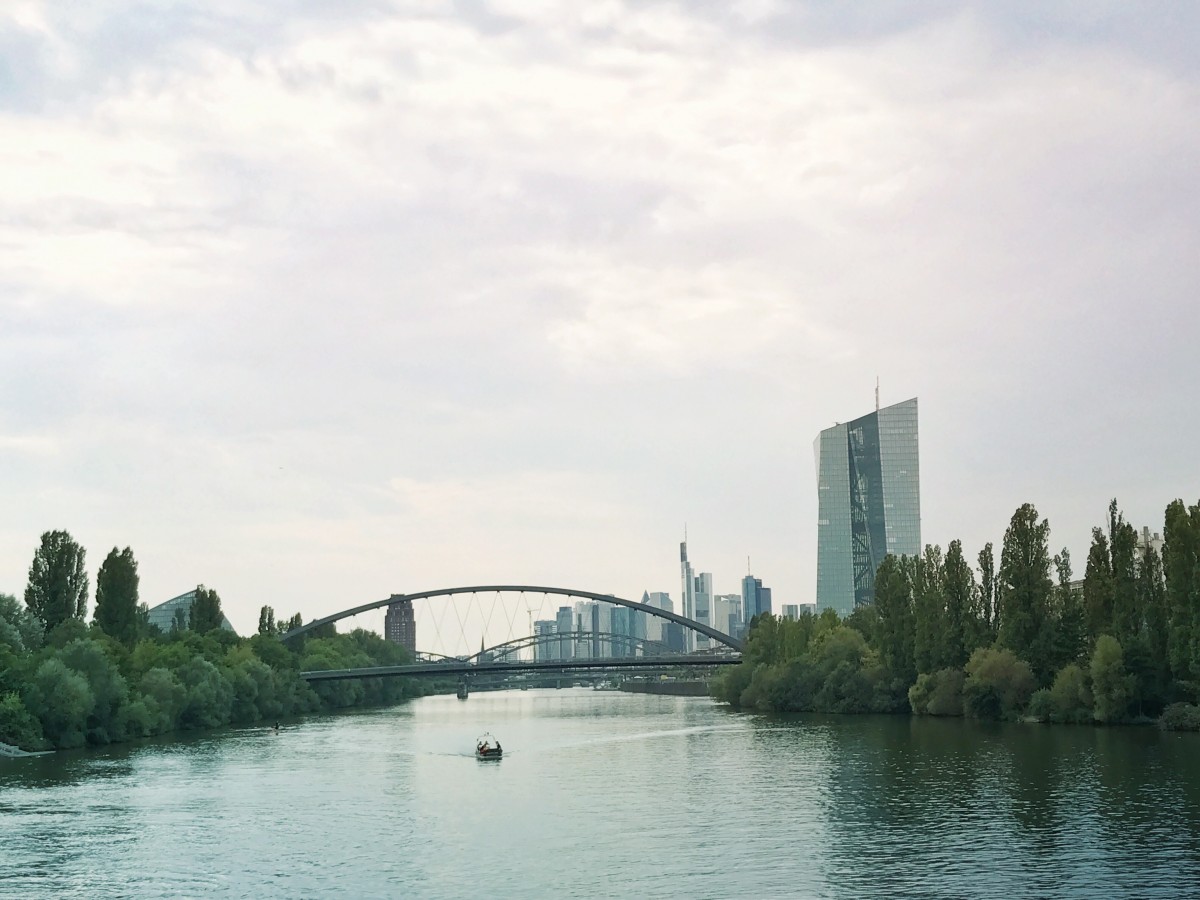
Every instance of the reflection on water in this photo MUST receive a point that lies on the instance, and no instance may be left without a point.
(609, 794)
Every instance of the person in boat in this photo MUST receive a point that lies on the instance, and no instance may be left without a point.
(498, 750)
(483, 748)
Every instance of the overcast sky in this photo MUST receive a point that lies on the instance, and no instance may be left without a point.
(314, 303)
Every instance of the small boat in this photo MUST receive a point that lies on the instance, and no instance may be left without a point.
(487, 747)
(462, 690)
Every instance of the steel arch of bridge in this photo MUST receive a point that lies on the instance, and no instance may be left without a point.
(707, 630)
(611, 638)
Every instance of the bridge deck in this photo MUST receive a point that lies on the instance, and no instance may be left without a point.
(454, 667)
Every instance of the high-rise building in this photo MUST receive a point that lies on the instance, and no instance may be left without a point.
(655, 625)
(697, 599)
(688, 597)
(727, 613)
(400, 625)
(869, 501)
(564, 624)
(755, 598)
(545, 649)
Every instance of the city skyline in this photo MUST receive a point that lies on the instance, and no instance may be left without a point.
(319, 307)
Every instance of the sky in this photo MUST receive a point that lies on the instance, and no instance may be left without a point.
(315, 303)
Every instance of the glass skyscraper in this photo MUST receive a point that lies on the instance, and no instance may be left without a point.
(869, 502)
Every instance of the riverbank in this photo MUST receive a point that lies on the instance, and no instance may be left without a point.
(8, 751)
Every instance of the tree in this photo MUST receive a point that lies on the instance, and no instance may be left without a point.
(1098, 586)
(988, 612)
(58, 582)
(1122, 546)
(206, 611)
(1024, 588)
(928, 603)
(959, 587)
(117, 596)
(27, 626)
(266, 621)
(893, 599)
(1111, 687)
(1152, 600)
(1181, 568)
(1070, 635)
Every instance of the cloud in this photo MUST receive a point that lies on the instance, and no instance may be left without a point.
(327, 278)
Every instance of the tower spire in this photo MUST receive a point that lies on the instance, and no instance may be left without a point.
(876, 393)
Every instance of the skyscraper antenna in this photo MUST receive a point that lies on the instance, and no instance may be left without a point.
(748, 565)
(876, 393)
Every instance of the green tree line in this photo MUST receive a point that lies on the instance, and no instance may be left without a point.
(1021, 639)
(65, 683)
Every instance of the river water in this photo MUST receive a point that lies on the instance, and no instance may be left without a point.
(606, 794)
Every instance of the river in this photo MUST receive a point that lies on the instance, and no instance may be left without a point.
(606, 794)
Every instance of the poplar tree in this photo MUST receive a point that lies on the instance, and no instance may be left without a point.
(1181, 567)
(988, 612)
(1122, 545)
(893, 600)
(927, 574)
(1070, 634)
(117, 596)
(1024, 590)
(206, 611)
(1098, 586)
(58, 582)
(959, 587)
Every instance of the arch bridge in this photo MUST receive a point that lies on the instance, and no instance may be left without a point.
(652, 651)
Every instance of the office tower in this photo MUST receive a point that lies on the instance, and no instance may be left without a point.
(791, 611)
(618, 646)
(655, 625)
(673, 637)
(703, 595)
(688, 598)
(869, 502)
(585, 637)
(727, 613)
(400, 625)
(564, 624)
(544, 649)
(756, 599)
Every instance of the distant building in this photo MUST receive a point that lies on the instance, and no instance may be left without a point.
(400, 625)
(791, 611)
(807, 608)
(565, 625)
(869, 502)
(688, 593)
(727, 613)
(1146, 539)
(673, 637)
(544, 649)
(163, 616)
(654, 625)
(756, 599)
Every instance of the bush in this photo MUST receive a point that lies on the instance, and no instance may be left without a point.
(18, 726)
(1110, 685)
(1041, 707)
(1180, 717)
(938, 694)
(62, 700)
(946, 697)
(1070, 697)
(998, 684)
